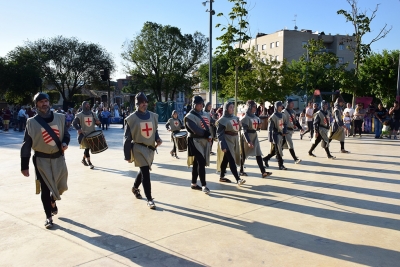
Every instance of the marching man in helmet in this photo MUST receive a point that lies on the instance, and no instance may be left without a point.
(140, 142)
(321, 130)
(45, 133)
(197, 124)
(85, 123)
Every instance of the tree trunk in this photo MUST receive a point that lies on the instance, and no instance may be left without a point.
(236, 87)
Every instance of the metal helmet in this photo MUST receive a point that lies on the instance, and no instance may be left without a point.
(197, 100)
(140, 98)
(40, 96)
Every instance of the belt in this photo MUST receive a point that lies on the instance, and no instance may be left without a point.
(196, 136)
(231, 133)
(48, 156)
(291, 129)
(149, 147)
(251, 131)
(326, 127)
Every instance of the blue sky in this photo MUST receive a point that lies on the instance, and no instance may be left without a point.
(111, 23)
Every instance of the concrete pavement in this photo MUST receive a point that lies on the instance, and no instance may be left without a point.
(322, 212)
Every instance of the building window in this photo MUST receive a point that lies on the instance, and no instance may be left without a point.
(256, 47)
(271, 45)
(277, 44)
(263, 60)
(277, 58)
(341, 60)
(304, 43)
(341, 47)
(264, 46)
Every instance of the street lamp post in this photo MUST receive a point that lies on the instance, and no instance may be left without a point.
(212, 12)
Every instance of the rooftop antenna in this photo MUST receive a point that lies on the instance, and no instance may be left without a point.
(295, 20)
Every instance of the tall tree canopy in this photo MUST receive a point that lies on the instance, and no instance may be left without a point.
(361, 23)
(66, 63)
(379, 74)
(164, 59)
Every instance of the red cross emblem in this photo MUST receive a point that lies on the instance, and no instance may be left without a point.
(235, 124)
(176, 123)
(326, 121)
(280, 124)
(255, 123)
(46, 136)
(88, 121)
(146, 129)
(207, 122)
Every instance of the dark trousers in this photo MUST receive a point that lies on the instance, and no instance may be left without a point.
(310, 128)
(258, 159)
(21, 123)
(358, 126)
(143, 177)
(274, 151)
(232, 165)
(317, 141)
(104, 121)
(45, 194)
(199, 168)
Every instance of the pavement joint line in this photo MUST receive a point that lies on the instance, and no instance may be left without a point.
(107, 256)
(155, 242)
(337, 208)
(52, 232)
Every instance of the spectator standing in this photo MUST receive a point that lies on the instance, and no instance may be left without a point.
(394, 112)
(350, 110)
(368, 118)
(105, 114)
(379, 116)
(22, 118)
(15, 117)
(347, 122)
(6, 118)
(359, 115)
(30, 112)
(309, 119)
(68, 120)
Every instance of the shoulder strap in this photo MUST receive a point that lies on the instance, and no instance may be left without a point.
(202, 120)
(51, 132)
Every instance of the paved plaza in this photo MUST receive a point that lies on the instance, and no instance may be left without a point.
(343, 212)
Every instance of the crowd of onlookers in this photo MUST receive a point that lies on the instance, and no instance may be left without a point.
(359, 119)
(16, 117)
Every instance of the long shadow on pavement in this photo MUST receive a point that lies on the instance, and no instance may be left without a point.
(362, 254)
(135, 251)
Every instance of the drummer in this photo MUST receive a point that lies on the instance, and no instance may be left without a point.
(174, 125)
(90, 120)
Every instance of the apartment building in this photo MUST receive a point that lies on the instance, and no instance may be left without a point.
(289, 44)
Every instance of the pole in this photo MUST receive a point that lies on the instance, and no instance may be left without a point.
(210, 55)
(216, 85)
(398, 80)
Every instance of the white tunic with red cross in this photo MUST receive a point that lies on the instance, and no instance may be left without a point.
(87, 123)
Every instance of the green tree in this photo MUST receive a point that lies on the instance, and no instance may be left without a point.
(361, 23)
(317, 69)
(234, 36)
(164, 59)
(66, 63)
(379, 72)
(220, 67)
(17, 78)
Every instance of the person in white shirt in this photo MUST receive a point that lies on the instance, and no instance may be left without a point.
(22, 118)
(350, 110)
(309, 119)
